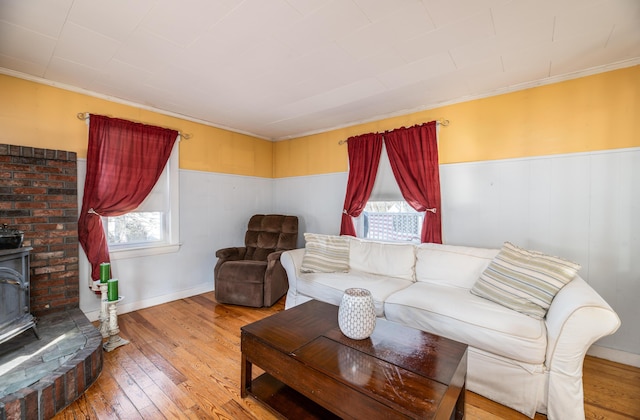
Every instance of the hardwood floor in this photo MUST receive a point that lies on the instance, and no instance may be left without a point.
(183, 362)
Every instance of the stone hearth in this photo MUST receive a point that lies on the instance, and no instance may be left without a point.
(39, 377)
(38, 195)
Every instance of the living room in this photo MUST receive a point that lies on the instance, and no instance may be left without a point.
(548, 166)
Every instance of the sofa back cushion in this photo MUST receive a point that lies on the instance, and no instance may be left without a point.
(458, 266)
(383, 258)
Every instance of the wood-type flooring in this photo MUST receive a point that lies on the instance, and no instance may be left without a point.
(183, 362)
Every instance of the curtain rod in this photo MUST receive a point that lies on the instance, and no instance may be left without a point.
(443, 123)
(85, 116)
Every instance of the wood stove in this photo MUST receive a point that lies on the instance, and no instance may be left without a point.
(15, 313)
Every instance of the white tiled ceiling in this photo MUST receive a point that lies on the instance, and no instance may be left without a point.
(283, 68)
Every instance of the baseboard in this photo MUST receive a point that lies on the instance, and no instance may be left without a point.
(618, 356)
(123, 308)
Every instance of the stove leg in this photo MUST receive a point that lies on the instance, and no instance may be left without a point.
(35, 331)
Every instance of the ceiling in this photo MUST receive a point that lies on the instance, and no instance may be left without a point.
(284, 68)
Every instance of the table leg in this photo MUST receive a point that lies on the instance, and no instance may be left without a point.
(459, 410)
(245, 376)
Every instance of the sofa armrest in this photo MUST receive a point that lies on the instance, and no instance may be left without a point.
(291, 262)
(578, 316)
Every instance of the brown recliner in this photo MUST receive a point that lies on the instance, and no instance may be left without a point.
(252, 275)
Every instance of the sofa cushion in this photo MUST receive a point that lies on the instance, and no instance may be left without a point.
(455, 313)
(523, 280)
(325, 254)
(329, 287)
(458, 266)
(383, 258)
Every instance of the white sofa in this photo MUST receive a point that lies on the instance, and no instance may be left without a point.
(522, 362)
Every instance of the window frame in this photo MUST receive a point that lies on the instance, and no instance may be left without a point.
(171, 242)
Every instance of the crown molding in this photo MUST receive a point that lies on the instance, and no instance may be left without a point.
(509, 89)
(121, 101)
(496, 92)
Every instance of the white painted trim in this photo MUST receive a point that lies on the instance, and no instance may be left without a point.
(544, 157)
(346, 173)
(595, 350)
(484, 162)
(123, 307)
(198, 171)
(613, 355)
(144, 251)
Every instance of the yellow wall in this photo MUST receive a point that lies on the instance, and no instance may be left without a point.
(37, 115)
(597, 112)
(591, 113)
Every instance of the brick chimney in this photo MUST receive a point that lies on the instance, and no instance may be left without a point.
(39, 195)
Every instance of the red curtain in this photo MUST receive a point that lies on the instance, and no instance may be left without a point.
(364, 157)
(124, 161)
(413, 154)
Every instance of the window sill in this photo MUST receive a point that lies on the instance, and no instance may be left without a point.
(144, 251)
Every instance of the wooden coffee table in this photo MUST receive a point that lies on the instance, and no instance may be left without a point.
(312, 370)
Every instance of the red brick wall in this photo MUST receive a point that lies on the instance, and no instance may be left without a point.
(39, 195)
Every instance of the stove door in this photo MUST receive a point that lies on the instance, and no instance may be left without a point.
(12, 297)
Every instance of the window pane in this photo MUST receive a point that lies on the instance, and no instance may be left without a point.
(392, 221)
(135, 228)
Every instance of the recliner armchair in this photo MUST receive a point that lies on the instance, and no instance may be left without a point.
(252, 275)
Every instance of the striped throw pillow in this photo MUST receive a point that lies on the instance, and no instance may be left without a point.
(523, 280)
(325, 254)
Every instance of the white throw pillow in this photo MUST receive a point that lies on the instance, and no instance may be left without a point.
(325, 254)
(523, 280)
(451, 265)
(383, 258)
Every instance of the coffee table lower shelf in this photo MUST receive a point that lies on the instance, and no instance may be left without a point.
(285, 401)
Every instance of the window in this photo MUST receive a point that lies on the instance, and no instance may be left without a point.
(153, 227)
(139, 227)
(387, 217)
(390, 221)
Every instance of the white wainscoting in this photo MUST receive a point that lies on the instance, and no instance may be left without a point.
(214, 211)
(317, 200)
(582, 207)
(579, 206)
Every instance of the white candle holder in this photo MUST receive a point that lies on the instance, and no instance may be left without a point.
(114, 340)
(109, 320)
(104, 314)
